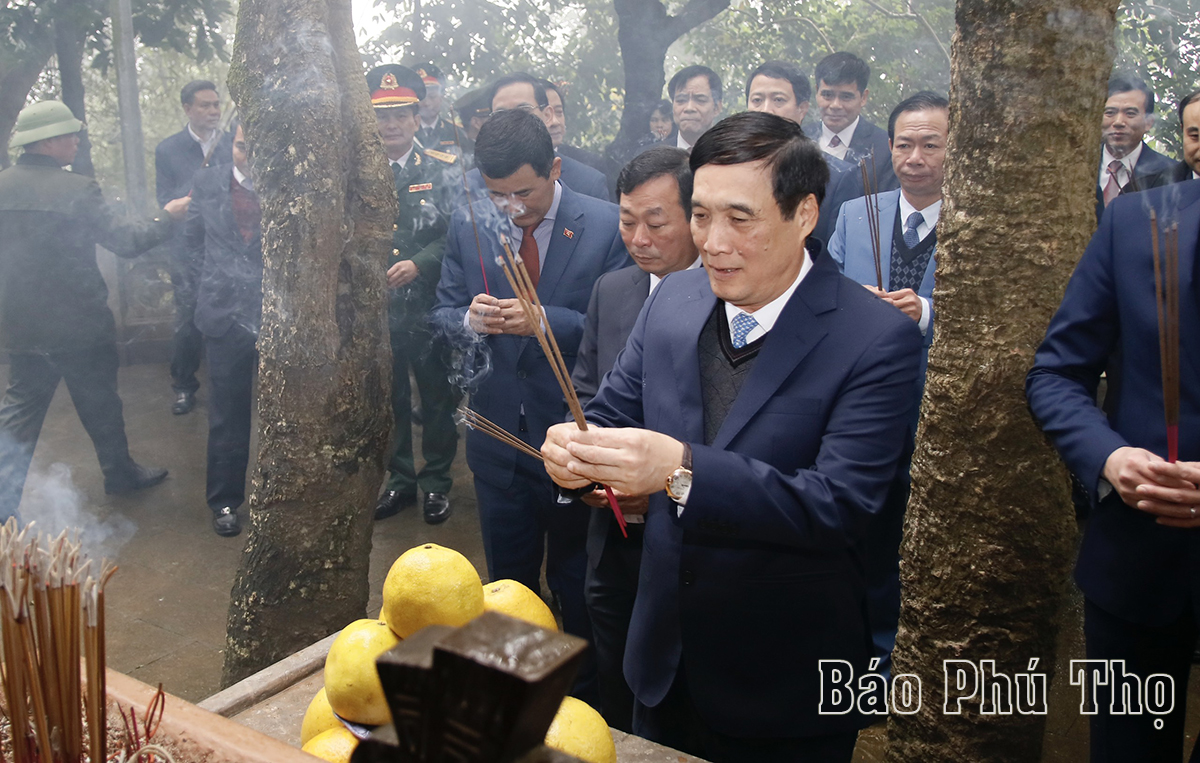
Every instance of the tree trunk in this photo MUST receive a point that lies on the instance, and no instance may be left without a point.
(988, 535)
(17, 77)
(645, 32)
(328, 204)
(68, 49)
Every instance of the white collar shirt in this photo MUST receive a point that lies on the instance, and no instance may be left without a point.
(205, 145)
(656, 280)
(844, 136)
(768, 314)
(1125, 173)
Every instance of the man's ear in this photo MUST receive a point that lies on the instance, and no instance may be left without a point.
(866, 92)
(556, 168)
(806, 216)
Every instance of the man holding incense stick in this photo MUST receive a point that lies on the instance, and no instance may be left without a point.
(1139, 563)
(566, 241)
(892, 236)
(762, 403)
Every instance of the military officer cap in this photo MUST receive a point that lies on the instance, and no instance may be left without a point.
(393, 85)
(46, 119)
(430, 74)
(473, 104)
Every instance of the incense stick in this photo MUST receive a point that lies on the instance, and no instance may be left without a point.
(479, 423)
(527, 297)
(1166, 300)
(871, 200)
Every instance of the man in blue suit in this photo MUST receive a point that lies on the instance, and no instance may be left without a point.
(841, 79)
(566, 242)
(1137, 565)
(762, 404)
(907, 238)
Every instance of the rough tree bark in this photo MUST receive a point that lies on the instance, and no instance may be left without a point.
(988, 537)
(328, 204)
(644, 32)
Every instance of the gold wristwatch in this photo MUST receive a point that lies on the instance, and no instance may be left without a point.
(679, 483)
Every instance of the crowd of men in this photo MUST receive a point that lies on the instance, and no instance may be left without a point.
(747, 328)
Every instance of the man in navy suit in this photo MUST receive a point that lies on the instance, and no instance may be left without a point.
(176, 159)
(656, 207)
(1126, 160)
(842, 93)
(224, 234)
(1137, 564)
(566, 241)
(907, 237)
(762, 404)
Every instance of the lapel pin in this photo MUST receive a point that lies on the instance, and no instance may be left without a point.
(568, 233)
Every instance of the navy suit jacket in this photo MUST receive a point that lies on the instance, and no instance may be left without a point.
(612, 311)
(584, 244)
(761, 576)
(230, 269)
(176, 160)
(583, 179)
(1128, 565)
(851, 248)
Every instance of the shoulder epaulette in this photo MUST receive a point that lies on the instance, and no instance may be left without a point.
(441, 156)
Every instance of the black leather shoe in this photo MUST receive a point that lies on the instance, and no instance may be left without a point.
(437, 508)
(184, 402)
(225, 522)
(391, 502)
(137, 478)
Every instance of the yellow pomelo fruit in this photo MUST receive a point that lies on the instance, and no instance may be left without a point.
(431, 585)
(318, 717)
(579, 730)
(508, 597)
(334, 745)
(351, 681)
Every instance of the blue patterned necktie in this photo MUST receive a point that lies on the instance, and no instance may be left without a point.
(743, 324)
(911, 239)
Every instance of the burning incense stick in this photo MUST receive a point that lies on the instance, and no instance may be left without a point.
(871, 188)
(1166, 294)
(531, 305)
(480, 424)
(45, 595)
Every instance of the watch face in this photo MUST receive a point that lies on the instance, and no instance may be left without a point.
(679, 483)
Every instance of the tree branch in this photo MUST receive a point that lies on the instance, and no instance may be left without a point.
(912, 15)
(692, 15)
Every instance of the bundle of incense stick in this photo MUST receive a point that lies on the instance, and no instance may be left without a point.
(49, 604)
(870, 187)
(480, 424)
(226, 118)
(527, 298)
(1166, 293)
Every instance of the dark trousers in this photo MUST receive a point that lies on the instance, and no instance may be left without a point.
(187, 342)
(523, 523)
(882, 566)
(91, 377)
(675, 723)
(1146, 650)
(232, 360)
(439, 435)
(610, 589)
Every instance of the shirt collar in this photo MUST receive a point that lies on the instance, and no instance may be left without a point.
(845, 135)
(1129, 160)
(929, 213)
(655, 280)
(766, 315)
(681, 143)
(243, 180)
(213, 137)
(550, 214)
(403, 160)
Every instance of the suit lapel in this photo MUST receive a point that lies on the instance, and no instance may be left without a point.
(795, 334)
(566, 233)
(1189, 233)
(692, 314)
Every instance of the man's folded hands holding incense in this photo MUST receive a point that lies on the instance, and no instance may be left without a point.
(491, 315)
(631, 461)
(1148, 482)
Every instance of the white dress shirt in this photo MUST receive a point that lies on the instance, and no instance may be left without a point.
(402, 161)
(243, 180)
(766, 315)
(930, 215)
(205, 145)
(844, 136)
(655, 280)
(1125, 173)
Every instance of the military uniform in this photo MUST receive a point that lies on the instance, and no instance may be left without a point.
(441, 137)
(54, 316)
(426, 185)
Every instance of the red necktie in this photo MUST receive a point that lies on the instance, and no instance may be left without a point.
(529, 254)
(1112, 188)
(835, 141)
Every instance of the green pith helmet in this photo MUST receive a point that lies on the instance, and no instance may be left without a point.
(47, 119)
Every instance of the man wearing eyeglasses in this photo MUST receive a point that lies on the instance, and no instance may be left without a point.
(522, 91)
